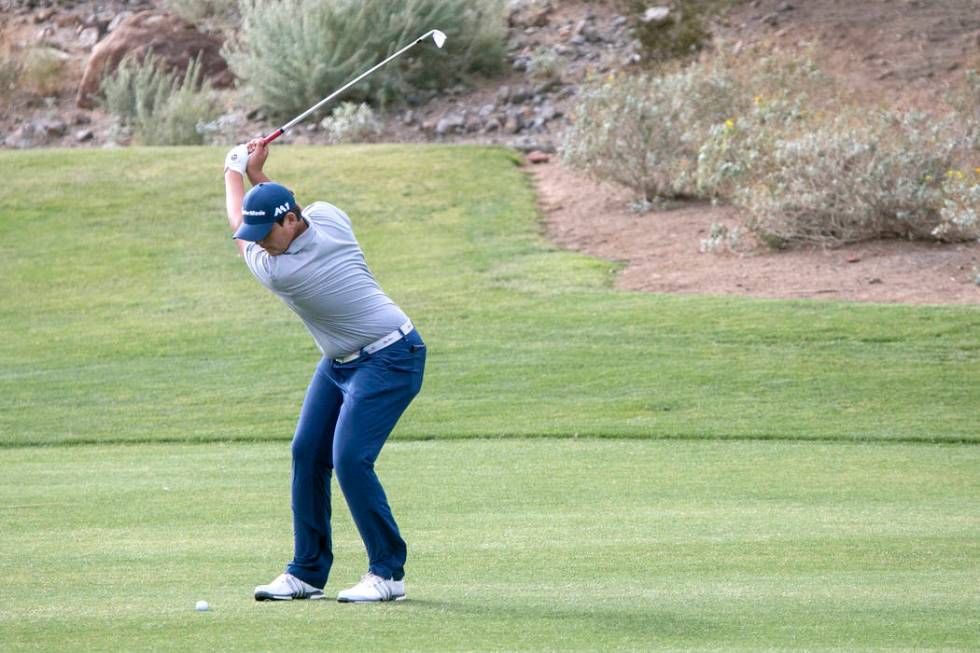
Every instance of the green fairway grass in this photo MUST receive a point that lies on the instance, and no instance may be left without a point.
(585, 470)
(514, 545)
(128, 316)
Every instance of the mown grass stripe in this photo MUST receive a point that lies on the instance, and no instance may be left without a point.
(128, 316)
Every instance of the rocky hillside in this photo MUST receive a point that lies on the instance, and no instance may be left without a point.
(897, 50)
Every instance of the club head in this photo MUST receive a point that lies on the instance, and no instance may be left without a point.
(439, 38)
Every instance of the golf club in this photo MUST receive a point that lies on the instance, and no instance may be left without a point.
(437, 36)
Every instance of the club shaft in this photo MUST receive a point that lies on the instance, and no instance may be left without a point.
(279, 132)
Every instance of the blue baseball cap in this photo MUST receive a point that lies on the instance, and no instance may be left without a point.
(262, 206)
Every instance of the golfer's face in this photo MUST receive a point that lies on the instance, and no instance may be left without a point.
(277, 240)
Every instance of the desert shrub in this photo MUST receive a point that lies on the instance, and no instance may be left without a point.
(290, 64)
(43, 71)
(965, 102)
(210, 14)
(778, 97)
(545, 66)
(958, 217)
(158, 107)
(33, 71)
(682, 32)
(856, 177)
(769, 133)
(9, 73)
(645, 131)
(720, 239)
(352, 123)
(809, 165)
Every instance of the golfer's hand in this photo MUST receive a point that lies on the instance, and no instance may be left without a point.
(237, 159)
(258, 152)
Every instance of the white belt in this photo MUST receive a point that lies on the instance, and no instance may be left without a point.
(380, 343)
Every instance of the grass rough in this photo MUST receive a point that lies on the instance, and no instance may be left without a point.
(128, 316)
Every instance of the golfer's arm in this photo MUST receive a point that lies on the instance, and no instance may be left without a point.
(257, 177)
(234, 191)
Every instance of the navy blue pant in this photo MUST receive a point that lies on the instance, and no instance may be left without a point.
(349, 410)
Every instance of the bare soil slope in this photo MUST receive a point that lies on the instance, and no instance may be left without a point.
(895, 52)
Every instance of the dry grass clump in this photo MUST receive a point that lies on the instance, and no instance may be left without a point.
(352, 123)
(34, 71)
(770, 134)
(157, 107)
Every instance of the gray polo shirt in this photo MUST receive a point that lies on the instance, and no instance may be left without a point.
(324, 278)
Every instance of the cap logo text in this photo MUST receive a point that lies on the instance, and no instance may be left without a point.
(282, 208)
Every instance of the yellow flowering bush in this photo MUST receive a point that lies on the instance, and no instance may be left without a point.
(644, 131)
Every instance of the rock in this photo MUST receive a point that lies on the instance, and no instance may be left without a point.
(547, 86)
(79, 118)
(117, 20)
(619, 21)
(486, 111)
(587, 30)
(175, 41)
(25, 136)
(566, 92)
(408, 118)
(578, 39)
(473, 123)
(53, 127)
(429, 126)
(87, 38)
(491, 125)
(528, 144)
(655, 14)
(520, 94)
(537, 156)
(515, 120)
(520, 64)
(83, 135)
(66, 20)
(771, 19)
(522, 14)
(503, 94)
(413, 100)
(451, 122)
(548, 112)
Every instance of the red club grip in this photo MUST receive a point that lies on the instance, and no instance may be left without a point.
(273, 136)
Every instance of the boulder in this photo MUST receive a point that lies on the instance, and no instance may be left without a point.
(451, 123)
(527, 144)
(175, 41)
(656, 15)
(537, 157)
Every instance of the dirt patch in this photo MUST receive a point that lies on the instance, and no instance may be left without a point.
(662, 252)
(895, 51)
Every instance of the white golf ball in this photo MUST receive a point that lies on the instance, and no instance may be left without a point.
(201, 606)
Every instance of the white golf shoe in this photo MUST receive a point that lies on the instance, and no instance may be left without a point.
(373, 588)
(287, 587)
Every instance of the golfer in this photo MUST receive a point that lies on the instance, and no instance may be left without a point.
(373, 360)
